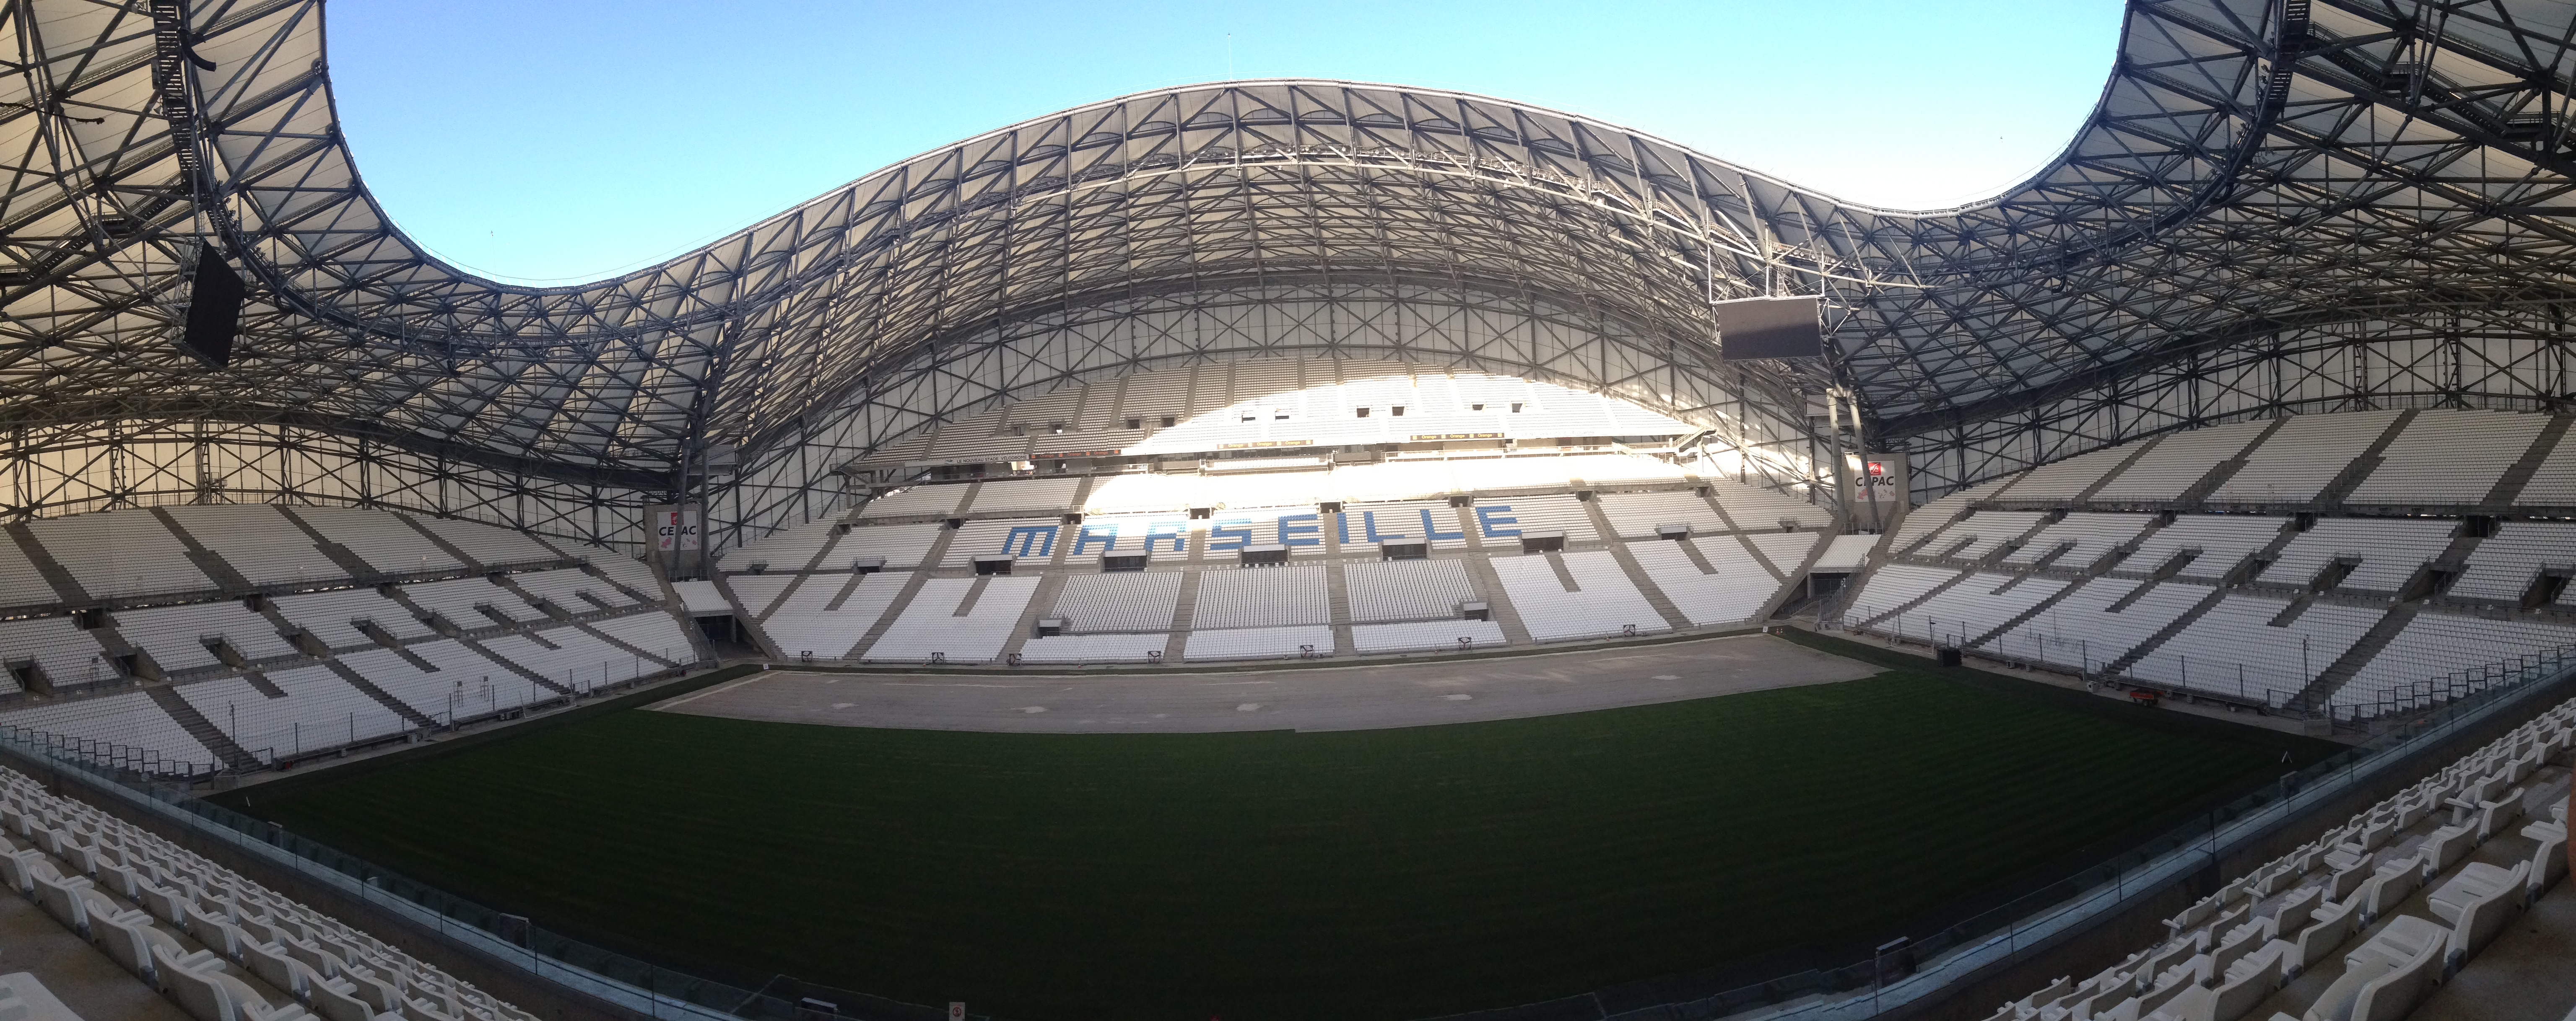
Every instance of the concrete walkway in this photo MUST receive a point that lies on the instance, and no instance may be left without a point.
(1350, 698)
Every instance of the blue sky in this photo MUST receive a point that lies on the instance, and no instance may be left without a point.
(570, 140)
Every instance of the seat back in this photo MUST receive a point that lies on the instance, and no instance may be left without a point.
(270, 964)
(2394, 995)
(2330, 927)
(337, 1002)
(2390, 887)
(61, 898)
(197, 992)
(2548, 865)
(2483, 918)
(2238, 995)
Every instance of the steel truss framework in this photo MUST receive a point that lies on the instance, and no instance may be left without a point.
(2268, 189)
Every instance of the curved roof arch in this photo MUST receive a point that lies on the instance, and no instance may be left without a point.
(2252, 165)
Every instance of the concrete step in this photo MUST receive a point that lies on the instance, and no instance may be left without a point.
(2319, 692)
(206, 559)
(2509, 487)
(66, 588)
(204, 730)
(382, 697)
(2166, 633)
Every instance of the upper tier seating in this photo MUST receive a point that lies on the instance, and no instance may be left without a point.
(1130, 493)
(2177, 462)
(1020, 497)
(900, 546)
(2064, 480)
(2448, 457)
(2302, 456)
(1637, 515)
(489, 546)
(1982, 534)
(120, 552)
(1508, 517)
(1787, 551)
(788, 549)
(574, 590)
(916, 502)
(382, 540)
(20, 583)
(1756, 509)
(2553, 483)
(258, 541)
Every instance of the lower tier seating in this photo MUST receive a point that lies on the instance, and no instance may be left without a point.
(220, 946)
(2382, 917)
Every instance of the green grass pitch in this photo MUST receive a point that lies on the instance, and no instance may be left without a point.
(1375, 874)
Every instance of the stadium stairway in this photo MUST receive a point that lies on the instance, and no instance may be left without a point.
(2332, 496)
(347, 559)
(444, 546)
(1655, 597)
(2227, 582)
(514, 666)
(2320, 692)
(1337, 599)
(207, 560)
(1184, 614)
(384, 698)
(66, 587)
(198, 726)
(2509, 486)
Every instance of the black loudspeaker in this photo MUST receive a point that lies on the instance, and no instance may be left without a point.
(1752, 328)
(214, 311)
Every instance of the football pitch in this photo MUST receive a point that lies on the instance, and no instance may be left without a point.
(1274, 875)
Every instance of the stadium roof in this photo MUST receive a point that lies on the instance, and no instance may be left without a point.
(2251, 167)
